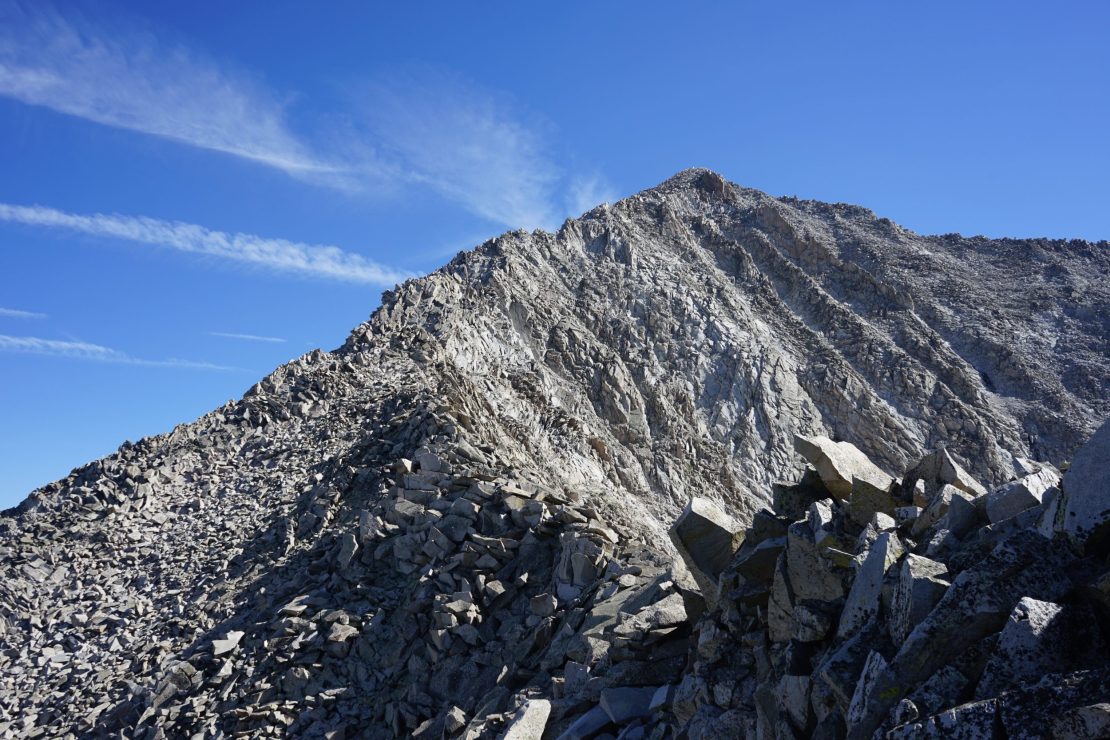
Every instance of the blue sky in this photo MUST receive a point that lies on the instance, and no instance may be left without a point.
(193, 193)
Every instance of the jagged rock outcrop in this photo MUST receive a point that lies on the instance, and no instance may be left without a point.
(908, 631)
(458, 523)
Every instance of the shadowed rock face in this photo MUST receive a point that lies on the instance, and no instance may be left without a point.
(547, 403)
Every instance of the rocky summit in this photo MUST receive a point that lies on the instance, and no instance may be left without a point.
(703, 463)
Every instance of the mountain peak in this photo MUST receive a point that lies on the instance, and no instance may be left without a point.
(697, 179)
(462, 520)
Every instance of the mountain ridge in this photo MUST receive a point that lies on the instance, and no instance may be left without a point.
(666, 347)
(689, 176)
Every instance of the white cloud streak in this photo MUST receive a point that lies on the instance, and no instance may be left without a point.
(467, 144)
(14, 313)
(586, 193)
(245, 337)
(127, 78)
(276, 254)
(93, 352)
(421, 128)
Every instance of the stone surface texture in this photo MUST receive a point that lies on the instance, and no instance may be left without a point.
(458, 523)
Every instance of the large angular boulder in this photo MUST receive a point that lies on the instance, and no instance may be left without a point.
(937, 469)
(587, 725)
(1083, 723)
(1041, 637)
(937, 507)
(873, 667)
(1085, 511)
(864, 597)
(1068, 706)
(977, 604)
(920, 586)
(748, 579)
(971, 721)
(838, 463)
(868, 500)
(627, 702)
(811, 578)
(758, 564)
(1025, 493)
(707, 537)
(839, 671)
(793, 695)
(780, 605)
(529, 721)
(803, 590)
(791, 500)
(963, 513)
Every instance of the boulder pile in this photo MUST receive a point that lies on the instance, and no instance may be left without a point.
(863, 606)
(461, 604)
(534, 495)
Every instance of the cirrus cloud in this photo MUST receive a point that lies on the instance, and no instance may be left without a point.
(245, 337)
(95, 352)
(276, 254)
(128, 78)
(419, 128)
(14, 313)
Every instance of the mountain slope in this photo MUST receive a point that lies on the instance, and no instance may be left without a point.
(585, 384)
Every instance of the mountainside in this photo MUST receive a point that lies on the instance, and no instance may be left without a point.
(421, 527)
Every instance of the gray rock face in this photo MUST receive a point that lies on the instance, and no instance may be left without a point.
(864, 598)
(466, 506)
(707, 536)
(839, 463)
(530, 721)
(1085, 512)
(1000, 632)
(1041, 638)
(1025, 493)
(920, 586)
(627, 703)
(938, 469)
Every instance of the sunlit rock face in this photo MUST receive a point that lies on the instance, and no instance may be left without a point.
(460, 523)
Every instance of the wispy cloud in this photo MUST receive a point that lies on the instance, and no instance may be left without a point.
(128, 78)
(277, 254)
(587, 192)
(416, 128)
(13, 313)
(469, 144)
(245, 337)
(93, 352)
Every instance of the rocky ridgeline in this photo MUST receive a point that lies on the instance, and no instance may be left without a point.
(463, 604)
(528, 497)
(922, 607)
